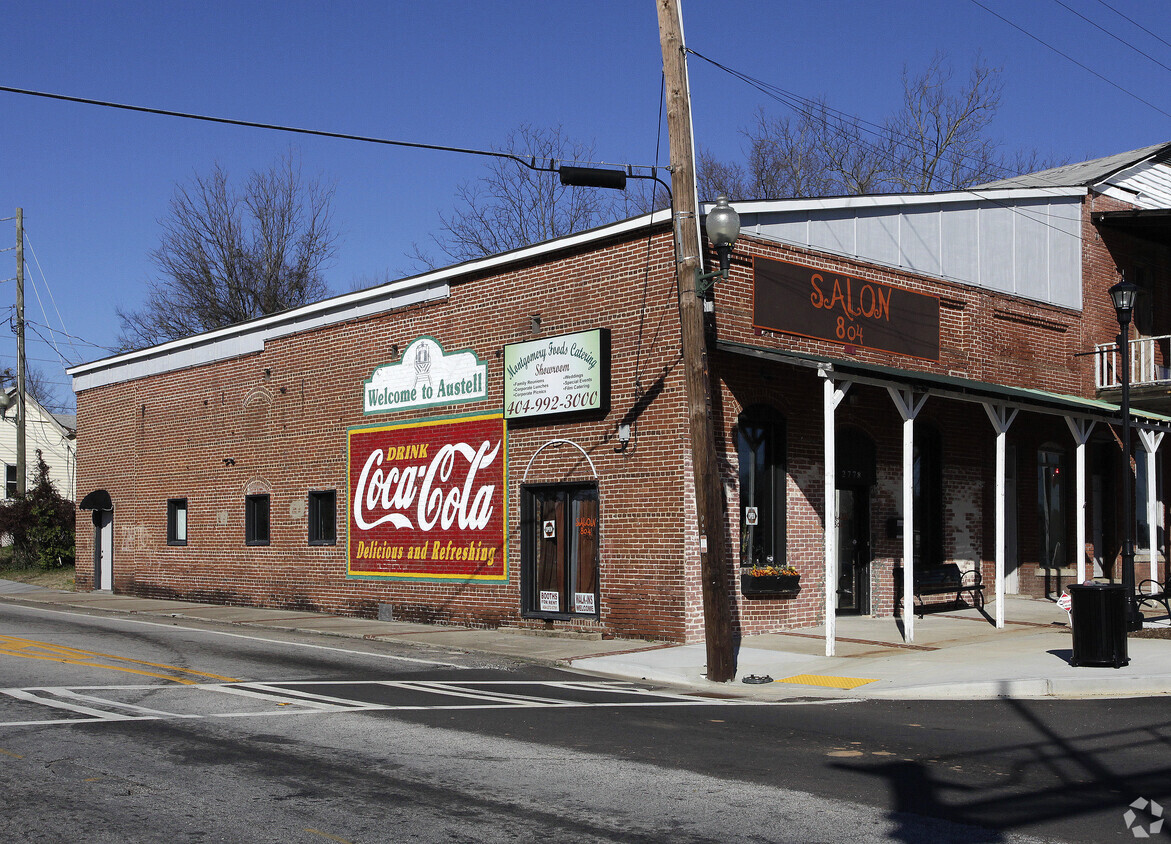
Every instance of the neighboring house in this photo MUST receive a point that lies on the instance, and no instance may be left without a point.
(904, 382)
(53, 434)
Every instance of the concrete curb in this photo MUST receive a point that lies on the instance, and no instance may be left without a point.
(1037, 687)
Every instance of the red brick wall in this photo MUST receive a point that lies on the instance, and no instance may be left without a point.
(282, 416)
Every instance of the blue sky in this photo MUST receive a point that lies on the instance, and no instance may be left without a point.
(94, 182)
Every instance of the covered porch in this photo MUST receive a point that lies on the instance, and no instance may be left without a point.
(982, 497)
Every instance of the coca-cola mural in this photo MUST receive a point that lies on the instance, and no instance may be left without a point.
(426, 500)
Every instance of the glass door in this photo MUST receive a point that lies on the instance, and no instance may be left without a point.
(853, 529)
(560, 550)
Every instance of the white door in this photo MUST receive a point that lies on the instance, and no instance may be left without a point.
(104, 549)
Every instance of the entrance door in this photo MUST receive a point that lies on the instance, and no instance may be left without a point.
(104, 549)
(853, 550)
(560, 550)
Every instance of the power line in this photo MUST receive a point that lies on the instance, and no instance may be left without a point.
(1133, 21)
(805, 107)
(809, 108)
(531, 162)
(1103, 29)
(1070, 58)
(72, 337)
(48, 290)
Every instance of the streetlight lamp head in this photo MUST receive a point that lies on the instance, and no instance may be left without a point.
(723, 227)
(1123, 295)
(723, 223)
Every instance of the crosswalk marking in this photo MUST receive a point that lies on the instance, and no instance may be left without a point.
(101, 701)
(98, 714)
(263, 691)
(305, 697)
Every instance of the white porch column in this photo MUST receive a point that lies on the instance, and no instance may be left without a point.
(1001, 418)
(1081, 428)
(908, 406)
(832, 396)
(1151, 441)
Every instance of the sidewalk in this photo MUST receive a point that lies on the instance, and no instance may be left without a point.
(956, 654)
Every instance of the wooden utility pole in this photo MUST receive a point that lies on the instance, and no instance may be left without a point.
(20, 408)
(717, 614)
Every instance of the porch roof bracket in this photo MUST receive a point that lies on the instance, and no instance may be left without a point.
(832, 395)
(1151, 441)
(1081, 429)
(1001, 418)
(908, 404)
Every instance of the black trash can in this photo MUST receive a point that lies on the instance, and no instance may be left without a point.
(1098, 615)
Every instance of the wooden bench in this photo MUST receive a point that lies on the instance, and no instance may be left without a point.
(944, 579)
(1157, 596)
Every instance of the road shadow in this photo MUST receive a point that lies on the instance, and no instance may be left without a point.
(1080, 778)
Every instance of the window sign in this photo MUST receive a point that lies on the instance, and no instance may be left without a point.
(426, 500)
(550, 601)
(751, 516)
(583, 602)
(426, 376)
(550, 529)
(565, 374)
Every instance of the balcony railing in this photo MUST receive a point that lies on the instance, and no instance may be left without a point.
(1147, 362)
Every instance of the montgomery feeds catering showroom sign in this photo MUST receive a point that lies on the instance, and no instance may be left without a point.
(563, 374)
(426, 500)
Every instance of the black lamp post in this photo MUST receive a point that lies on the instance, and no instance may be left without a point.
(1123, 294)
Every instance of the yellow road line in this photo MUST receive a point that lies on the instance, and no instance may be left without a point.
(32, 649)
(10, 753)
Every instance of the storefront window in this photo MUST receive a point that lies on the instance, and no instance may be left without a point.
(760, 447)
(177, 521)
(1051, 505)
(323, 517)
(1142, 539)
(256, 509)
(559, 549)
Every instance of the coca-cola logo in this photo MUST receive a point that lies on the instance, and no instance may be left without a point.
(434, 493)
(427, 499)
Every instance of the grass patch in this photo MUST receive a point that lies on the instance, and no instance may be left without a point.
(61, 578)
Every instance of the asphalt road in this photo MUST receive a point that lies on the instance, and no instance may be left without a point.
(133, 730)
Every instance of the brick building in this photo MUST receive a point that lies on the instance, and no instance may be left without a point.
(505, 442)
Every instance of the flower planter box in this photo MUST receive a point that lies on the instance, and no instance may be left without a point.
(772, 584)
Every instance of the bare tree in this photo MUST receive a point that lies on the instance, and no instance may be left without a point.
(45, 391)
(514, 206)
(937, 140)
(38, 384)
(230, 255)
